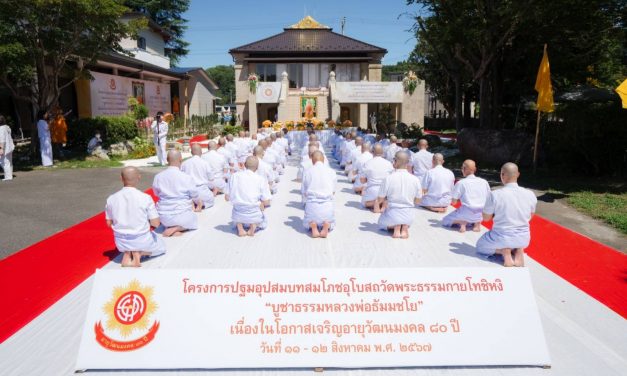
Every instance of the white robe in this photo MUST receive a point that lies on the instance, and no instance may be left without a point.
(265, 171)
(375, 171)
(219, 166)
(271, 157)
(6, 159)
(400, 189)
(391, 151)
(130, 211)
(160, 140)
(201, 172)
(512, 207)
(472, 192)
(246, 192)
(439, 183)
(45, 143)
(422, 161)
(230, 160)
(318, 188)
(359, 166)
(176, 191)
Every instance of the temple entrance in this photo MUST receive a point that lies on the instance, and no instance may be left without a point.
(272, 113)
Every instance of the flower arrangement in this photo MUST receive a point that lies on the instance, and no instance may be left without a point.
(252, 82)
(168, 118)
(277, 126)
(410, 82)
(289, 125)
(347, 123)
(266, 124)
(331, 123)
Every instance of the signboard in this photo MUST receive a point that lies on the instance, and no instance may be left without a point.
(347, 318)
(109, 94)
(369, 92)
(268, 92)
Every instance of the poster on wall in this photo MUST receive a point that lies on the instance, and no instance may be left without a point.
(109, 94)
(268, 92)
(308, 107)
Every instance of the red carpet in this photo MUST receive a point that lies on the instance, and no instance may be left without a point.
(38, 276)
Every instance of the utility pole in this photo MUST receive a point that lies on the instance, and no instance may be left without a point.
(342, 24)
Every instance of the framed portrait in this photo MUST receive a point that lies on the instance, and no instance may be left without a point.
(308, 107)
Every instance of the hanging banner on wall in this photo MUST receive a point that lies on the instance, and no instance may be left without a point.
(268, 92)
(369, 92)
(347, 318)
(109, 94)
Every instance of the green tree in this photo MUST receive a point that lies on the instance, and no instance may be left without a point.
(169, 15)
(224, 77)
(45, 44)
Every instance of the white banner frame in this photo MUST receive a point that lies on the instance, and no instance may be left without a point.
(368, 92)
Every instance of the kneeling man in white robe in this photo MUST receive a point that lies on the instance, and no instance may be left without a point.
(130, 213)
(399, 194)
(265, 170)
(511, 208)
(178, 197)
(249, 194)
(374, 173)
(219, 167)
(472, 192)
(358, 168)
(438, 185)
(201, 172)
(318, 188)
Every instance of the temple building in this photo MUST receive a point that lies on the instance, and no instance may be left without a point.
(310, 70)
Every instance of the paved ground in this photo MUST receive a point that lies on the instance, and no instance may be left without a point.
(37, 204)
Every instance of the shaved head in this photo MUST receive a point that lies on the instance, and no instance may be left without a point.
(377, 151)
(130, 176)
(258, 151)
(401, 159)
(438, 159)
(469, 167)
(393, 139)
(196, 149)
(263, 143)
(312, 149)
(423, 144)
(313, 137)
(366, 147)
(317, 156)
(359, 141)
(252, 163)
(509, 173)
(222, 141)
(212, 145)
(229, 137)
(174, 158)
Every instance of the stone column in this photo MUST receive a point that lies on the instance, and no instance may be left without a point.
(363, 115)
(335, 103)
(282, 110)
(252, 113)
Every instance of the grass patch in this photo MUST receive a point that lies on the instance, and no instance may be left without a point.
(608, 207)
(84, 163)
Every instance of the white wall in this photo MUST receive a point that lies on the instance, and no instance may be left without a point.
(155, 48)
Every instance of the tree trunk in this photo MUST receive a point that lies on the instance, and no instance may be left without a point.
(467, 114)
(485, 112)
(458, 103)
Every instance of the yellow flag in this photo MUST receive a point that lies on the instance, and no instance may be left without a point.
(543, 85)
(622, 92)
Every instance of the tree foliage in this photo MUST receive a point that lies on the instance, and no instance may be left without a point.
(169, 15)
(493, 48)
(41, 42)
(224, 77)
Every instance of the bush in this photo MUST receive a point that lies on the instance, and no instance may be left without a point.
(142, 149)
(230, 129)
(113, 129)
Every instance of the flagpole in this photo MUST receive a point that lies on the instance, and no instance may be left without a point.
(535, 145)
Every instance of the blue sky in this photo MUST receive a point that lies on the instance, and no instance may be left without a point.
(217, 26)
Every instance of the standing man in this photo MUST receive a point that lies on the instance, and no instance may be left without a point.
(318, 188)
(58, 131)
(160, 131)
(511, 208)
(6, 149)
(45, 145)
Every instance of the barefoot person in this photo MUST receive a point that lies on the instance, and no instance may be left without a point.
(178, 197)
(511, 208)
(318, 188)
(219, 166)
(249, 194)
(399, 194)
(438, 184)
(472, 192)
(374, 173)
(200, 170)
(130, 213)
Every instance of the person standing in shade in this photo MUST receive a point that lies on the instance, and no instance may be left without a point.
(160, 131)
(45, 143)
(6, 149)
(58, 132)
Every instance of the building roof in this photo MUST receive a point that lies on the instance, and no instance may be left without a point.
(308, 36)
(198, 70)
(131, 62)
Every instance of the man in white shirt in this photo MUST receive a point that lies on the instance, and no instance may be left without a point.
(249, 194)
(306, 162)
(392, 149)
(361, 160)
(312, 138)
(374, 173)
(348, 145)
(438, 185)
(318, 188)
(6, 149)
(265, 170)
(160, 133)
(131, 213)
(511, 208)
(270, 156)
(219, 167)
(178, 197)
(200, 170)
(352, 159)
(422, 160)
(226, 152)
(472, 192)
(399, 194)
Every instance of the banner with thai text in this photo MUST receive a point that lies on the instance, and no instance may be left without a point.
(347, 318)
(368, 92)
(109, 94)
